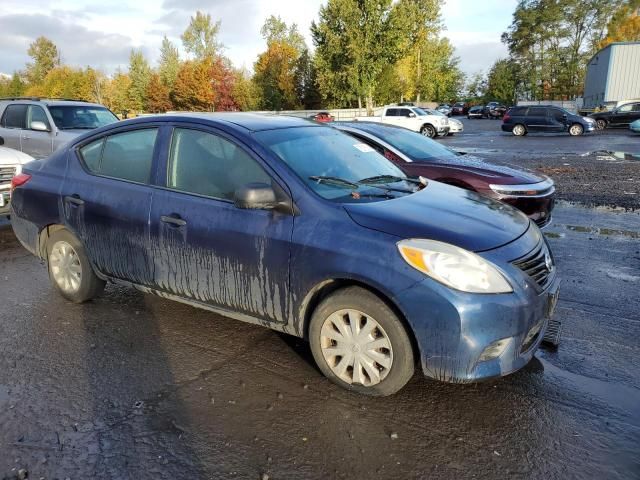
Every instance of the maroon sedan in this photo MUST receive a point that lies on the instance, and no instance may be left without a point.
(322, 117)
(417, 155)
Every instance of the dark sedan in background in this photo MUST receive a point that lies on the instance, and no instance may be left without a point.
(545, 119)
(475, 112)
(416, 155)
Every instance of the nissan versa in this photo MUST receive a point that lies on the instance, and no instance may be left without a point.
(301, 228)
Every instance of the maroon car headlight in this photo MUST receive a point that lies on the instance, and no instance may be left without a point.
(540, 189)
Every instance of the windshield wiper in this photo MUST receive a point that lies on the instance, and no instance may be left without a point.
(334, 181)
(386, 179)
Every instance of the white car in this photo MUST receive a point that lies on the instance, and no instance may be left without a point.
(455, 126)
(419, 120)
(11, 162)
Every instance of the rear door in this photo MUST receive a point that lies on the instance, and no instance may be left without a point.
(106, 198)
(38, 144)
(204, 247)
(537, 119)
(625, 115)
(12, 124)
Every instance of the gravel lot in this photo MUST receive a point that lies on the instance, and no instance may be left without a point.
(132, 386)
(600, 168)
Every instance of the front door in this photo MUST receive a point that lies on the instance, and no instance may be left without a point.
(106, 198)
(37, 143)
(204, 247)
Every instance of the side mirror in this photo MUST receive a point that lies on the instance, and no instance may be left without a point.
(39, 126)
(255, 196)
(412, 115)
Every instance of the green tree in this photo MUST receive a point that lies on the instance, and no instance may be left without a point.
(45, 57)
(201, 37)
(140, 75)
(116, 93)
(305, 78)
(355, 40)
(246, 94)
(624, 25)
(13, 86)
(169, 62)
(476, 87)
(501, 82)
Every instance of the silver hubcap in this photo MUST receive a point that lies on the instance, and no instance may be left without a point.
(601, 124)
(518, 129)
(427, 132)
(575, 130)
(65, 267)
(356, 347)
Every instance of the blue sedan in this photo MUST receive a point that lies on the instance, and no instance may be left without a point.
(300, 228)
(635, 126)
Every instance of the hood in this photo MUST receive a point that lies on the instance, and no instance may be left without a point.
(490, 172)
(9, 156)
(444, 213)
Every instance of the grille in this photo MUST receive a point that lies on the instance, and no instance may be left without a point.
(538, 264)
(6, 174)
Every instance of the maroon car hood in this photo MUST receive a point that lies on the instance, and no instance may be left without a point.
(467, 165)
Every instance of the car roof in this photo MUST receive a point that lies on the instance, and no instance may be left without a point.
(253, 122)
(51, 102)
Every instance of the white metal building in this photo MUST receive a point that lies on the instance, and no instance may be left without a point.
(613, 74)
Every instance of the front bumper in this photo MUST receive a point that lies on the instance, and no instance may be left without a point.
(4, 202)
(453, 329)
(442, 129)
(453, 128)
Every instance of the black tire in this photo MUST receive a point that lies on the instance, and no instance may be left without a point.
(601, 124)
(429, 131)
(90, 286)
(357, 298)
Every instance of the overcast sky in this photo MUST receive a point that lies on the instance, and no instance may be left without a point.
(102, 33)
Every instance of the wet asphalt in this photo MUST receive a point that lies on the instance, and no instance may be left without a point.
(132, 386)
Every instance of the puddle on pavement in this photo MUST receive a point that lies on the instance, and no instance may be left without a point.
(607, 232)
(615, 156)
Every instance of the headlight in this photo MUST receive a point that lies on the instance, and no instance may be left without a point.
(18, 169)
(455, 267)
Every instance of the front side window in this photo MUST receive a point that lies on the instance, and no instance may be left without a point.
(37, 114)
(625, 108)
(207, 164)
(325, 152)
(14, 116)
(127, 155)
(72, 117)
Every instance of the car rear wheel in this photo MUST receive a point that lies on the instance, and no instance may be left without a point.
(576, 130)
(69, 268)
(519, 130)
(360, 344)
(601, 124)
(429, 131)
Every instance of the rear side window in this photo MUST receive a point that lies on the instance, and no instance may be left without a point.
(517, 111)
(537, 112)
(14, 116)
(392, 112)
(210, 165)
(127, 156)
(636, 107)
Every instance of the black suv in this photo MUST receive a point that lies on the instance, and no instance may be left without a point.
(621, 116)
(543, 118)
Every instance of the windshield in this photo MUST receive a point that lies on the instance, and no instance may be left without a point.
(326, 152)
(417, 147)
(81, 117)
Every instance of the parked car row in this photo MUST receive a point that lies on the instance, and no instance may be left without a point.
(331, 233)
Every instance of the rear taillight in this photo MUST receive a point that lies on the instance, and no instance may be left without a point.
(19, 180)
(506, 117)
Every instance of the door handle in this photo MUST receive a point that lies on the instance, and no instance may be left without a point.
(74, 199)
(173, 220)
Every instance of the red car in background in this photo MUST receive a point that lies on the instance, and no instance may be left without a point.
(416, 155)
(322, 117)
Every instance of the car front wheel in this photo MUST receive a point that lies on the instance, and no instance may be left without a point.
(360, 344)
(69, 268)
(576, 130)
(428, 131)
(601, 124)
(519, 130)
